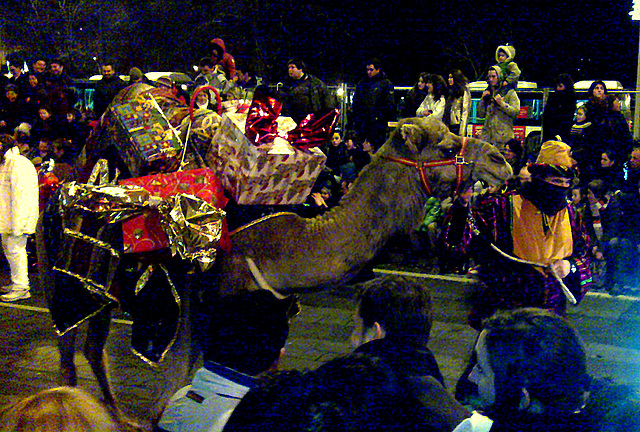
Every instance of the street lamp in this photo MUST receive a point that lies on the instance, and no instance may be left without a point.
(635, 16)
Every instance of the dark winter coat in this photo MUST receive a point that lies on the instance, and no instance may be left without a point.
(37, 96)
(305, 96)
(106, 89)
(613, 176)
(557, 117)
(373, 106)
(336, 157)
(405, 357)
(412, 101)
(631, 210)
(22, 82)
(621, 139)
(13, 113)
(77, 132)
(44, 129)
(584, 150)
(61, 97)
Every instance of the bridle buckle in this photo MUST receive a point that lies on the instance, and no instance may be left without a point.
(460, 160)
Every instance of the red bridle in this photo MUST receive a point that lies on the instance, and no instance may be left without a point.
(459, 161)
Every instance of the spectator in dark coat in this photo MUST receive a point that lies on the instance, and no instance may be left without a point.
(304, 94)
(38, 68)
(357, 154)
(19, 78)
(35, 97)
(610, 170)
(354, 393)
(604, 219)
(373, 105)
(531, 375)
(631, 170)
(584, 148)
(75, 131)
(631, 230)
(393, 321)
(557, 117)
(415, 96)
(598, 104)
(61, 97)
(106, 89)
(44, 126)
(14, 110)
(620, 139)
(336, 154)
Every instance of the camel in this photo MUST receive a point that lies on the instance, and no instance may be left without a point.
(289, 254)
(293, 253)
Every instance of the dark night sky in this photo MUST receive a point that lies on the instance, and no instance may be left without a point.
(589, 39)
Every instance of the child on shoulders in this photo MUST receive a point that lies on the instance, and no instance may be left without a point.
(510, 70)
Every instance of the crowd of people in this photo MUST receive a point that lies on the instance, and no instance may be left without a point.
(38, 110)
(534, 249)
(530, 375)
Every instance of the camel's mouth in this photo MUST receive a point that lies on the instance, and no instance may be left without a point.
(492, 179)
(498, 171)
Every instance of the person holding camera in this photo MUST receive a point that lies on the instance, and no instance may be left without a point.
(499, 107)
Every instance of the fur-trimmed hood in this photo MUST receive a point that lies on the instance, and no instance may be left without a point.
(509, 50)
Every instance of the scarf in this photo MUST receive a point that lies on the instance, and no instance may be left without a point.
(547, 197)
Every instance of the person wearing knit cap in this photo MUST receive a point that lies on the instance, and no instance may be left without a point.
(510, 70)
(499, 107)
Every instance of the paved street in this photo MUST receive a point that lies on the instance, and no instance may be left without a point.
(610, 327)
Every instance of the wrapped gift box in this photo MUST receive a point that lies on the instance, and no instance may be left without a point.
(88, 253)
(145, 140)
(203, 128)
(270, 174)
(144, 233)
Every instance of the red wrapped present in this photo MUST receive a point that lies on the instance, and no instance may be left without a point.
(144, 233)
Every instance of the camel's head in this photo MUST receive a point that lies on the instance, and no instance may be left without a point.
(427, 139)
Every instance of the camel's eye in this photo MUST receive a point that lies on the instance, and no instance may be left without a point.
(448, 153)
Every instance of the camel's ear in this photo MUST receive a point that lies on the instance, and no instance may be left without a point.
(411, 136)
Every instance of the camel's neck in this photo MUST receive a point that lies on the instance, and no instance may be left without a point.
(386, 198)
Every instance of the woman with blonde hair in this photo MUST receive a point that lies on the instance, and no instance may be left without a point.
(67, 409)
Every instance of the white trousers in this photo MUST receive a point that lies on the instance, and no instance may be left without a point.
(15, 250)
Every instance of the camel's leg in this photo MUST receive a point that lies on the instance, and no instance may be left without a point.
(94, 352)
(67, 348)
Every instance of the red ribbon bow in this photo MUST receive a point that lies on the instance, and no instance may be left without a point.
(261, 126)
(314, 130)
